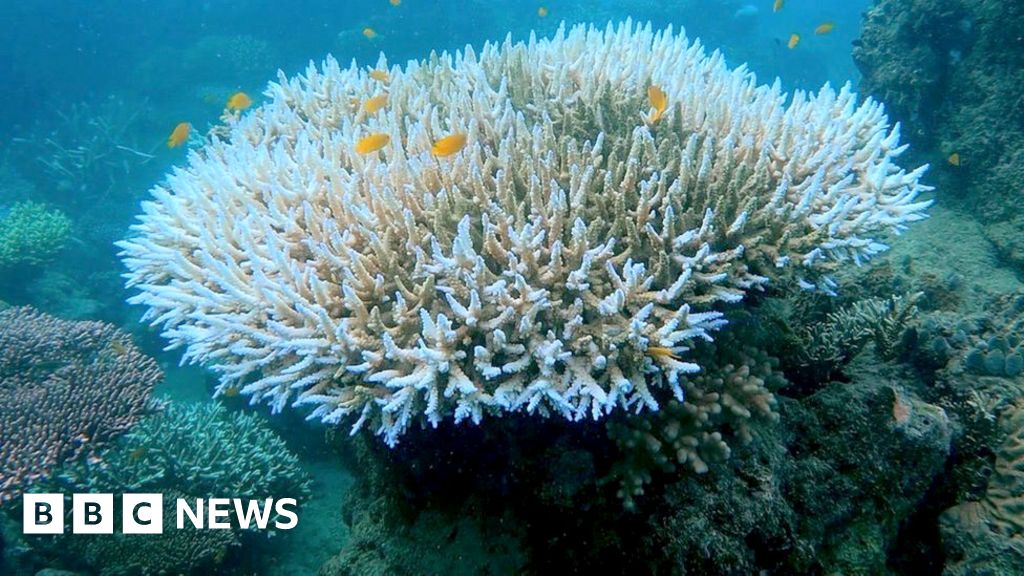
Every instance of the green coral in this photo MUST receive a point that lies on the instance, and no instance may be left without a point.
(825, 347)
(199, 449)
(32, 234)
(185, 451)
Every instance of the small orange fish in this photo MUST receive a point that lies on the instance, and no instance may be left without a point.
(179, 135)
(778, 5)
(661, 352)
(449, 145)
(137, 453)
(659, 102)
(542, 11)
(954, 159)
(396, 2)
(372, 143)
(374, 104)
(370, 33)
(380, 76)
(794, 39)
(824, 28)
(231, 392)
(239, 101)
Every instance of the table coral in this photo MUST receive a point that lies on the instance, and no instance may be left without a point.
(563, 263)
(66, 388)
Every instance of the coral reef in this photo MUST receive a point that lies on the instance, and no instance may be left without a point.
(32, 234)
(187, 451)
(952, 69)
(823, 493)
(733, 390)
(435, 543)
(985, 536)
(824, 490)
(822, 348)
(562, 264)
(66, 389)
(195, 449)
(984, 344)
(184, 551)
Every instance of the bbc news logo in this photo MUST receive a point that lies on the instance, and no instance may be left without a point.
(144, 513)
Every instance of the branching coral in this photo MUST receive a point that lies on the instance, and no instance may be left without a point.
(175, 551)
(563, 263)
(32, 234)
(66, 388)
(185, 451)
(724, 401)
(87, 150)
(196, 449)
(827, 346)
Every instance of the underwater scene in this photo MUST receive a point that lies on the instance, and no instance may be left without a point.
(412, 287)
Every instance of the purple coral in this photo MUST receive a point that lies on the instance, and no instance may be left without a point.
(65, 389)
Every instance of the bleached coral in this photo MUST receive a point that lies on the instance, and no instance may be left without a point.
(562, 263)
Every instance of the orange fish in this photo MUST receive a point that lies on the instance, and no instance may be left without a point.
(372, 143)
(137, 453)
(542, 11)
(659, 102)
(824, 28)
(777, 6)
(231, 392)
(396, 2)
(370, 33)
(374, 104)
(449, 145)
(661, 352)
(239, 101)
(179, 135)
(380, 76)
(794, 39)
(954, 159)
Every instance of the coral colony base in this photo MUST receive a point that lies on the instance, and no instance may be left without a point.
(562, 263)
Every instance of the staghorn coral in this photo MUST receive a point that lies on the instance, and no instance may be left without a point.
(727, 397)
(196, 449)
(66, 388)
(85, 152)
(825, 347)
(563, 263)
(985, 536)
(32, 234)
(185, 451)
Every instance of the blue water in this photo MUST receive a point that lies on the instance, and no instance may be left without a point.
(53, 54)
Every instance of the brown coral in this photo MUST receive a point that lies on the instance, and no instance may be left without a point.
(987, 536)
(65, 389)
